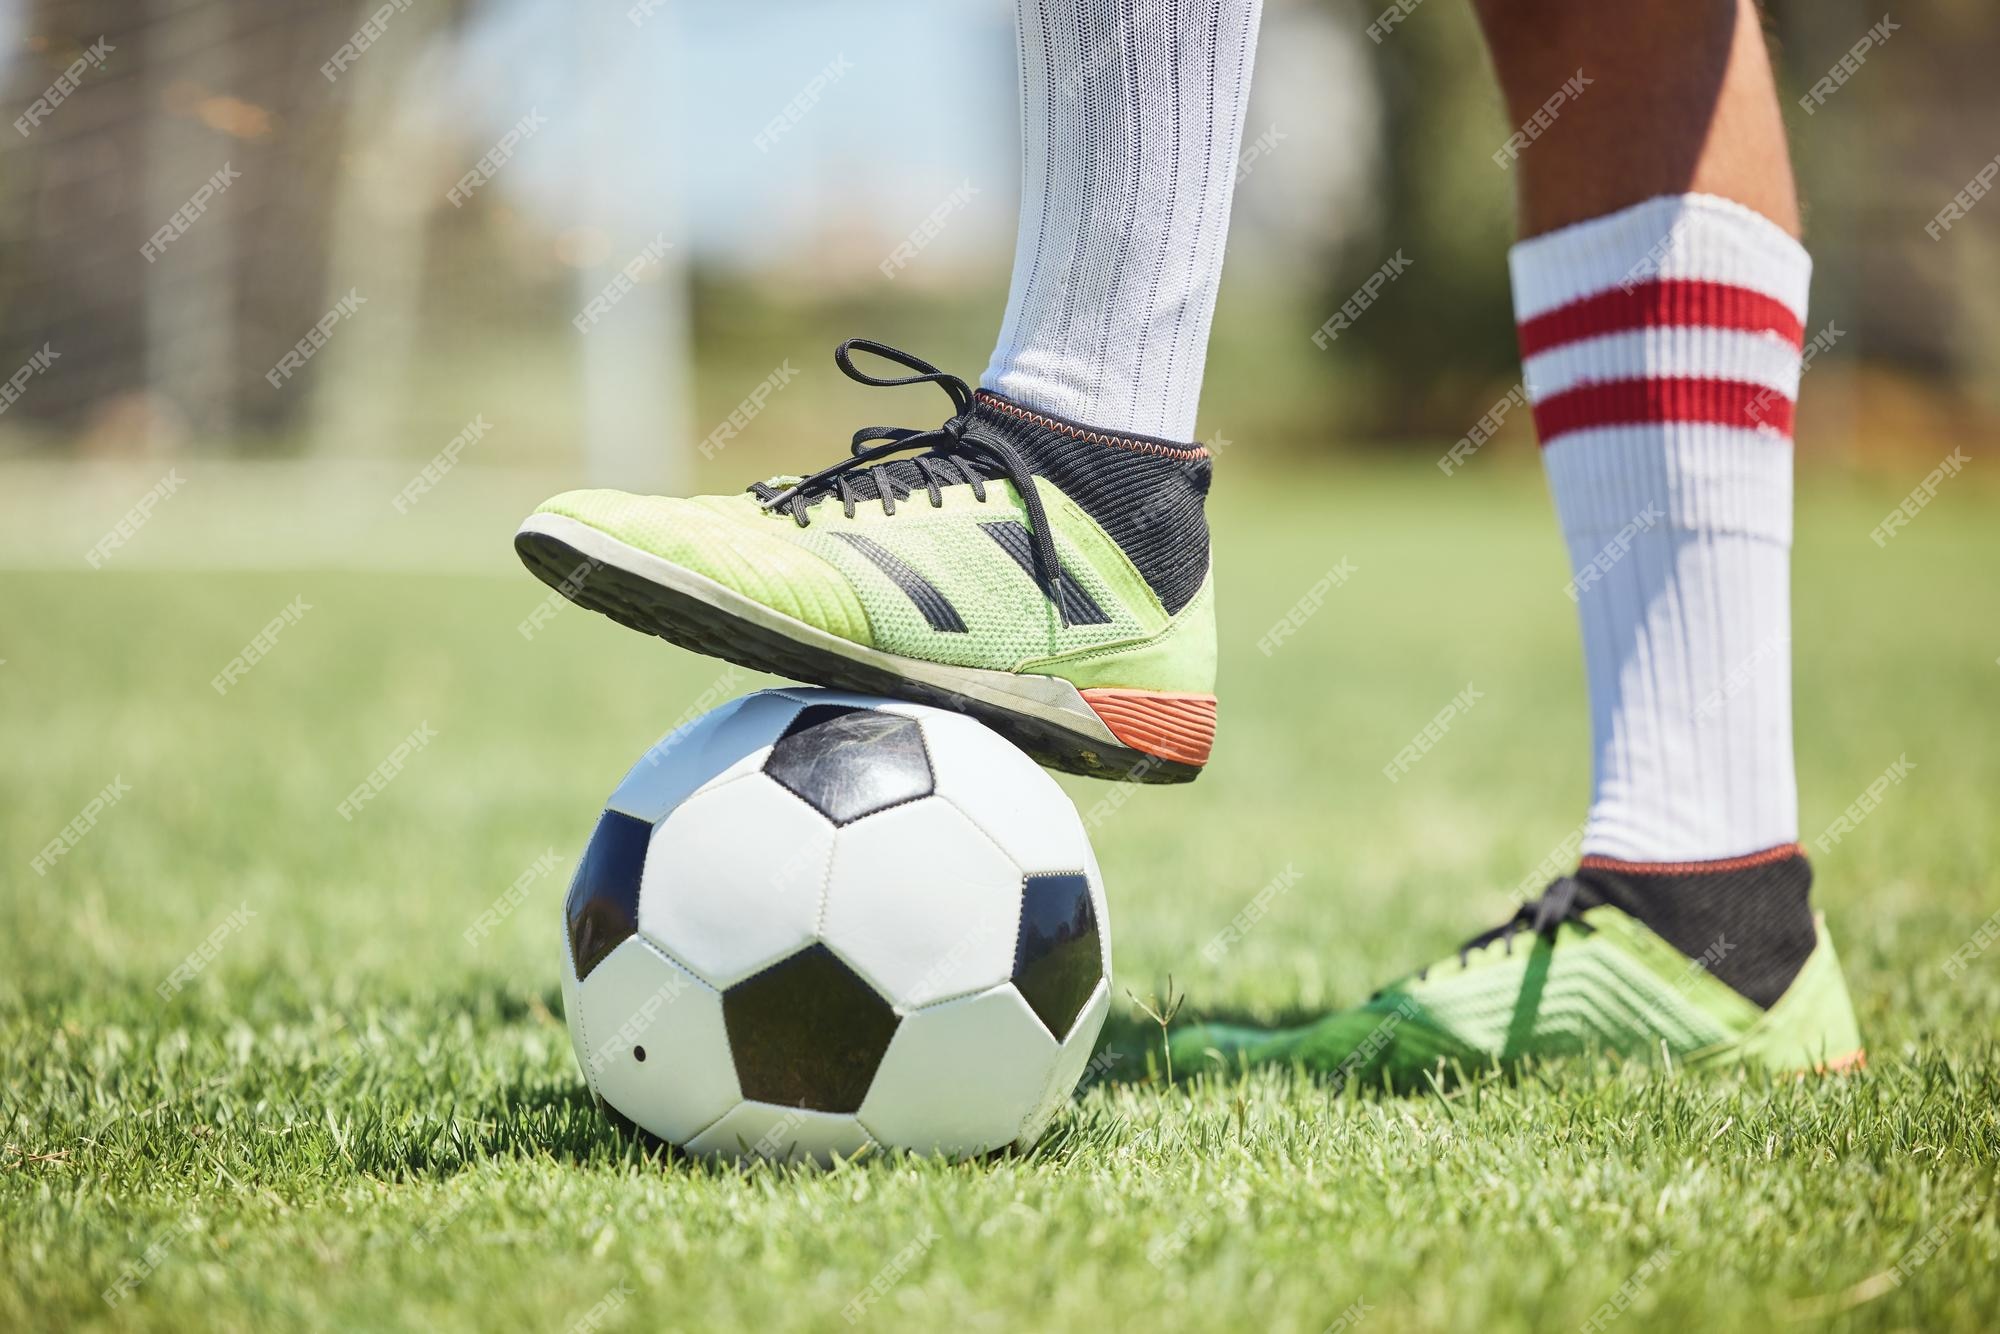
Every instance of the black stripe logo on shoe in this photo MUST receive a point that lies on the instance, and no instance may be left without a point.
(1079, 608)
(937, 609)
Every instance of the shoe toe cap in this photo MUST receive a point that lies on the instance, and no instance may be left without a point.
(729, 540)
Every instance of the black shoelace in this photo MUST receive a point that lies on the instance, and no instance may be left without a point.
(952, 456)
(1557, 904)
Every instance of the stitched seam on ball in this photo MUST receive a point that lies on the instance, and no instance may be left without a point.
(956, 997)
(984, 833)
(825, 882)
(866, 1129)
(740, 1100)
(874, 811)
(589, 1072)
(684, 965)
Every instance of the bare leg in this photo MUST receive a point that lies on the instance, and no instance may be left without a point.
(1681, 101)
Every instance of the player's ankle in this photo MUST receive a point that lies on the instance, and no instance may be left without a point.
(1747, 920)
(1147, 493)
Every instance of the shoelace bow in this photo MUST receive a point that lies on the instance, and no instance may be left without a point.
(1557, 904)
(951, 456)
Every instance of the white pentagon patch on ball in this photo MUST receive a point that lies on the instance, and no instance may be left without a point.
(810, 922)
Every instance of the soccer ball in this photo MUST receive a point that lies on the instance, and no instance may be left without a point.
(811, 921)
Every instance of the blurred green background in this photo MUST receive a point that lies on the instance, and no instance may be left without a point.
(656, 125)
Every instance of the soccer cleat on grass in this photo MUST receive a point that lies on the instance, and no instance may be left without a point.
(1751, 979)
(1047, 578)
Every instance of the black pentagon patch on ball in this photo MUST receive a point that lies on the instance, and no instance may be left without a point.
(807, 1032)
(846, 762)
(1057, 960)
(603, 904)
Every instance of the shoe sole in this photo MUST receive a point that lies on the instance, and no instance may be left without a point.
(1126, 735)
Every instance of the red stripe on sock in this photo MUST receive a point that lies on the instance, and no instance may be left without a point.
(1783, 852)
(1659, 303)
(1664, 399)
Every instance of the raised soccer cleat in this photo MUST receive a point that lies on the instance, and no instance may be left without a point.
(1047, 578)
(1718, 963)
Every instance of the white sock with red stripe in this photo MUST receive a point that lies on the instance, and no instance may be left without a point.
(1661, 348)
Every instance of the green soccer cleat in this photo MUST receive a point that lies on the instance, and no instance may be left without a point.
(1044, 577)
(1574, 972)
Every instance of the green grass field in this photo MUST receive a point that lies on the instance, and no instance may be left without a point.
(352, 1119)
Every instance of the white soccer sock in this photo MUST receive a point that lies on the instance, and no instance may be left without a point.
(1131, 119)
(1662, 354)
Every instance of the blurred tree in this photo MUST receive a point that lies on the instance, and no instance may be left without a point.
(1907, 128)
(152, 348)
(1878, 159)
(1440, 336)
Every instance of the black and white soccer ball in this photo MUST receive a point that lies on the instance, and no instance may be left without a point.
(809, 921)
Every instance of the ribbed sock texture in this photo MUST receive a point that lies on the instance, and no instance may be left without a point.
(1662, 350)
(1131, 120)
